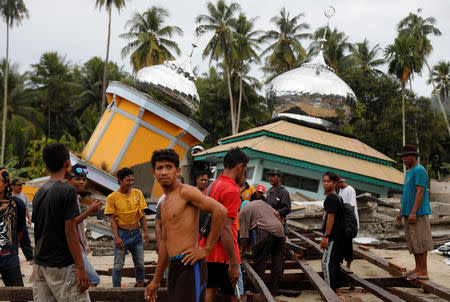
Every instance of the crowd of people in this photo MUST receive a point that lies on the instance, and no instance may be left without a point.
(202, 232)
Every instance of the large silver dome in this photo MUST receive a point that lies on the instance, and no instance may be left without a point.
(313, 90)
(174, 79)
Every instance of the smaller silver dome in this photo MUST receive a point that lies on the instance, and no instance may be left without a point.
(313, 90)
(174, 79)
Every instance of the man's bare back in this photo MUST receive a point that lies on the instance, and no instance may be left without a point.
(179, 221)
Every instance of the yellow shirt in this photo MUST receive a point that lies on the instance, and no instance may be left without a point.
(247, 193)
(127, 208)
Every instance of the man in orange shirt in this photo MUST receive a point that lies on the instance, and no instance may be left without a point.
(125, 208)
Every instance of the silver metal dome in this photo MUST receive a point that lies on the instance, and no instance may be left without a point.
(174, 79)
(313, 90)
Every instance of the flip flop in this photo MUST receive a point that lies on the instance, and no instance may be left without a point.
(406, 274)
(412, 277)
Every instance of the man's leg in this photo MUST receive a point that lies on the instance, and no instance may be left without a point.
(276, 271)
(119, 259)
(421, 265)
(12, 276)
(261, 252)
(63, 283)
(94, 278)
(137, 252)
(41, 290)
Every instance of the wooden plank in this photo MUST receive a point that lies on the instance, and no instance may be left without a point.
(129, 271)
(378, 261)
(433, 288)
(370, 287)
(257, 282)
(300, 251)
(96, 294)
(319, 284)
(311, 243)
(300, 225)
(404, 295)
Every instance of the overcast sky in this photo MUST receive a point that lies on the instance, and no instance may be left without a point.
(77, 30)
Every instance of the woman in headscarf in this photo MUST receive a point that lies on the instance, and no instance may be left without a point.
(12, 224)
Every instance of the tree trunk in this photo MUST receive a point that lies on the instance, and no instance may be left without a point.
(5, 96)
(105, 72)
(438, 97)
(233, 119)
(415, 121)
(238, 117)
(403, 121)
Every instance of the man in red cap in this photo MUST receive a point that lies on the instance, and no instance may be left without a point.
(260, 190)
(414, 211)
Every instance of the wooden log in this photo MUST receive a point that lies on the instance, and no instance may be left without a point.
(257, 282)
(370, 287)
(96, 294)
(404, 295)
(319, 284)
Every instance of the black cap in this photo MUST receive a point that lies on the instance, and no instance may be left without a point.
(274, 171)
(408, 150)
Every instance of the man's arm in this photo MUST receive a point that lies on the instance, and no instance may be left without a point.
(227, 239)
(143, 222)
(218, 214)
(158, 232)
(115, 230)
(95, 206)
(285, 204)
(163, 260)
(328, 228)
(420, 191)
(74, 247)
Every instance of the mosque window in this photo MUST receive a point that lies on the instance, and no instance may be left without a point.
(295, 181)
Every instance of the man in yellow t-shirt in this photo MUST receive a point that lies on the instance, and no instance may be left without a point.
(125, 208)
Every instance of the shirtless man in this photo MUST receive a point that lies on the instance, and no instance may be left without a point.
(180, 217)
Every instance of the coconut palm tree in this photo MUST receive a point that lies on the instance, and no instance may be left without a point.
(118, 4)
(246, 45)
(286, 47)
(402, 62)
(13, 12)
(335, 50)
(441, 76)
(420, 28)
(52, 81)
(366, 58)
(220, 47)
(149, 35)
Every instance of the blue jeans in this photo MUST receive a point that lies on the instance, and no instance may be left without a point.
(94, 278)
(132, 241)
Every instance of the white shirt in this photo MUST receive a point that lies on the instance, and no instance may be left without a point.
(348, 194)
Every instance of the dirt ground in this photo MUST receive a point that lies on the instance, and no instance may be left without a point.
(438, 270)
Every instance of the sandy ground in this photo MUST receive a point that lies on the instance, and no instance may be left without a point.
(438, 270)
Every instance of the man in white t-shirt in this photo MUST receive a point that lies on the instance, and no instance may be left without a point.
(348, 195)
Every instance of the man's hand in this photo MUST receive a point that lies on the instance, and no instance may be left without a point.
(277, 214)
(29, 223)
(96, 206)
(233, 274)
(192, 255)
(82, 279)
(412, 218)
(119, 242)
(146, 239)
(324, 243)
(399, 219)
(150, 291)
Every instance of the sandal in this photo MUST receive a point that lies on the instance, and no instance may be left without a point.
(412, 277)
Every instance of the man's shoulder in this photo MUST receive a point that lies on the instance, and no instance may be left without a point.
(136, 192)
(223, 185)
(332, 198)
(418, 169)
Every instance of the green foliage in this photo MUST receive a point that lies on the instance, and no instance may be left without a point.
(36, 164)
(150, 44)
